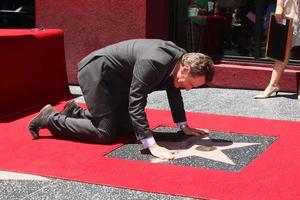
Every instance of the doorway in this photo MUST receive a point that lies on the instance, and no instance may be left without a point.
(17, 14)
(245, 27)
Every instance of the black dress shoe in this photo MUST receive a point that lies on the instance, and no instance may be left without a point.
(69, 108)
(40, 121)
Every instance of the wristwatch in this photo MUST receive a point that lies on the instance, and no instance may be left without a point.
(183, 126)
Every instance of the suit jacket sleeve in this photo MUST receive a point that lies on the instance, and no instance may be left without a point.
(176, 103)
(145, 76)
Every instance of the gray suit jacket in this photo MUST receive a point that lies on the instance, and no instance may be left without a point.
(132, 70)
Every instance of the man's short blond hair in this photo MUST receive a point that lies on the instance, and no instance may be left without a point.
(200, 64)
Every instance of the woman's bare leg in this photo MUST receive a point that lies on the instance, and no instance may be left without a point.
(273, 85)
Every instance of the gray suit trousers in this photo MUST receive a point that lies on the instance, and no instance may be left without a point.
(110, 119)
(82, 126)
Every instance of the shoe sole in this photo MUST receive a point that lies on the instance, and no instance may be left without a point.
(69, 104)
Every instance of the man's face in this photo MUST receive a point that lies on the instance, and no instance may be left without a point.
(185, 81)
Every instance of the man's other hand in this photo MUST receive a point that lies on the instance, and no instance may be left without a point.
(279, 14)
(161, 152)
(196, 132)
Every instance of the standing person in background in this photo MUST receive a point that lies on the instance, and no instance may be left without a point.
(245, 38)
(288, 8)
(195, 27)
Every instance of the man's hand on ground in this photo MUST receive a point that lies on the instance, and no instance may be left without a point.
(196, 132)
(161, 152)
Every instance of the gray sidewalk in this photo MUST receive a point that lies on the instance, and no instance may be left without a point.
(205, 100)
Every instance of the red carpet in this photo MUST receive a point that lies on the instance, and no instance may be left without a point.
(273, 175)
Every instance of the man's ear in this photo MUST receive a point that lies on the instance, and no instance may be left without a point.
(185, 69)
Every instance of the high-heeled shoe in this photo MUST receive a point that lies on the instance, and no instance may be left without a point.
(267, 93)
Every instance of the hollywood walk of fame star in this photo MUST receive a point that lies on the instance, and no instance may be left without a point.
(194, 149)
